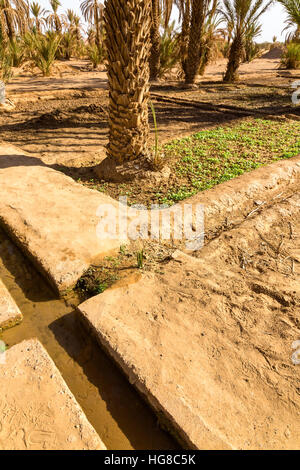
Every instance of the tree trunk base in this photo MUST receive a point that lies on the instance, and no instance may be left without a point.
(109, 170)
(155, 81)
(190, 86)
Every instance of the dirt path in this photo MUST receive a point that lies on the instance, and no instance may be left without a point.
(67, 75)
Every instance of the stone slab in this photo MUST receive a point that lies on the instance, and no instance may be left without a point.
(209, 341)
(38, 411)
(51, 217)
(10, 314)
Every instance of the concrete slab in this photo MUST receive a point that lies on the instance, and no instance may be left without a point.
(38, 411)
(51, 217)
(10, 314)
(209, 342)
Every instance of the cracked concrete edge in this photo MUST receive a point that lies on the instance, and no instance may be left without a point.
(10, 314)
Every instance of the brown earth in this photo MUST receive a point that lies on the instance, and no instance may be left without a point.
(274, 53)
(63, 120)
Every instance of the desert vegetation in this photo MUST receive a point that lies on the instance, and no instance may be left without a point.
(205, 30)
(32, 34)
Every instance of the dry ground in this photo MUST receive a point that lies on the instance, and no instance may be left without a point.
(63, 119)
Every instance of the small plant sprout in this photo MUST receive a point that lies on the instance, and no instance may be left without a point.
(140, 259)
(157, 159)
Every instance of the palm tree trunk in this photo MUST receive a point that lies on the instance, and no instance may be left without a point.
(195, 41)
(128, 24)
(97, 24)
(9, 22)
(57, 24)
(37, 25)
(185, 31)
(2, 29)
(155, 41)
(234, 60)
(205, 58)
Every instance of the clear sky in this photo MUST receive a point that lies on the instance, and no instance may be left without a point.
(272, 21)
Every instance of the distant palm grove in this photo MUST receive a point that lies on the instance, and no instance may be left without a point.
(205, 30)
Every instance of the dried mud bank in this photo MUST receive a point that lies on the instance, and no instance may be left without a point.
(56, 227)
(38, 410)
(10, 314)
(208, 342)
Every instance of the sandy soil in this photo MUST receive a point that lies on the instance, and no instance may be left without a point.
(262, 70)
(66, 75)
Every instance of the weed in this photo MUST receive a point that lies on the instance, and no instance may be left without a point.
(140, 259)
(157, 159)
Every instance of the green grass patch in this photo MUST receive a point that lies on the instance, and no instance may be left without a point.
(213, 156)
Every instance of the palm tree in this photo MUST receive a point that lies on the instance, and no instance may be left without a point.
(127, 24)
(161, 9)
(184, 7)
(37, 11)
(155, 40)
(77, 27)
(54, 19)
(210, 34)
(74, 24)
(200, 9)
(251, 49)
(92, 11)
(240, 13)
(292, 8)
(12, 17)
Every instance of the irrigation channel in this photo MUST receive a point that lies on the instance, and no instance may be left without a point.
(113, 407)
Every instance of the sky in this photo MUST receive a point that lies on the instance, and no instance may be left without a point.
(272, 21)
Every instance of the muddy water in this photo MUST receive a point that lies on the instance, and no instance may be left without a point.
(111, 405)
